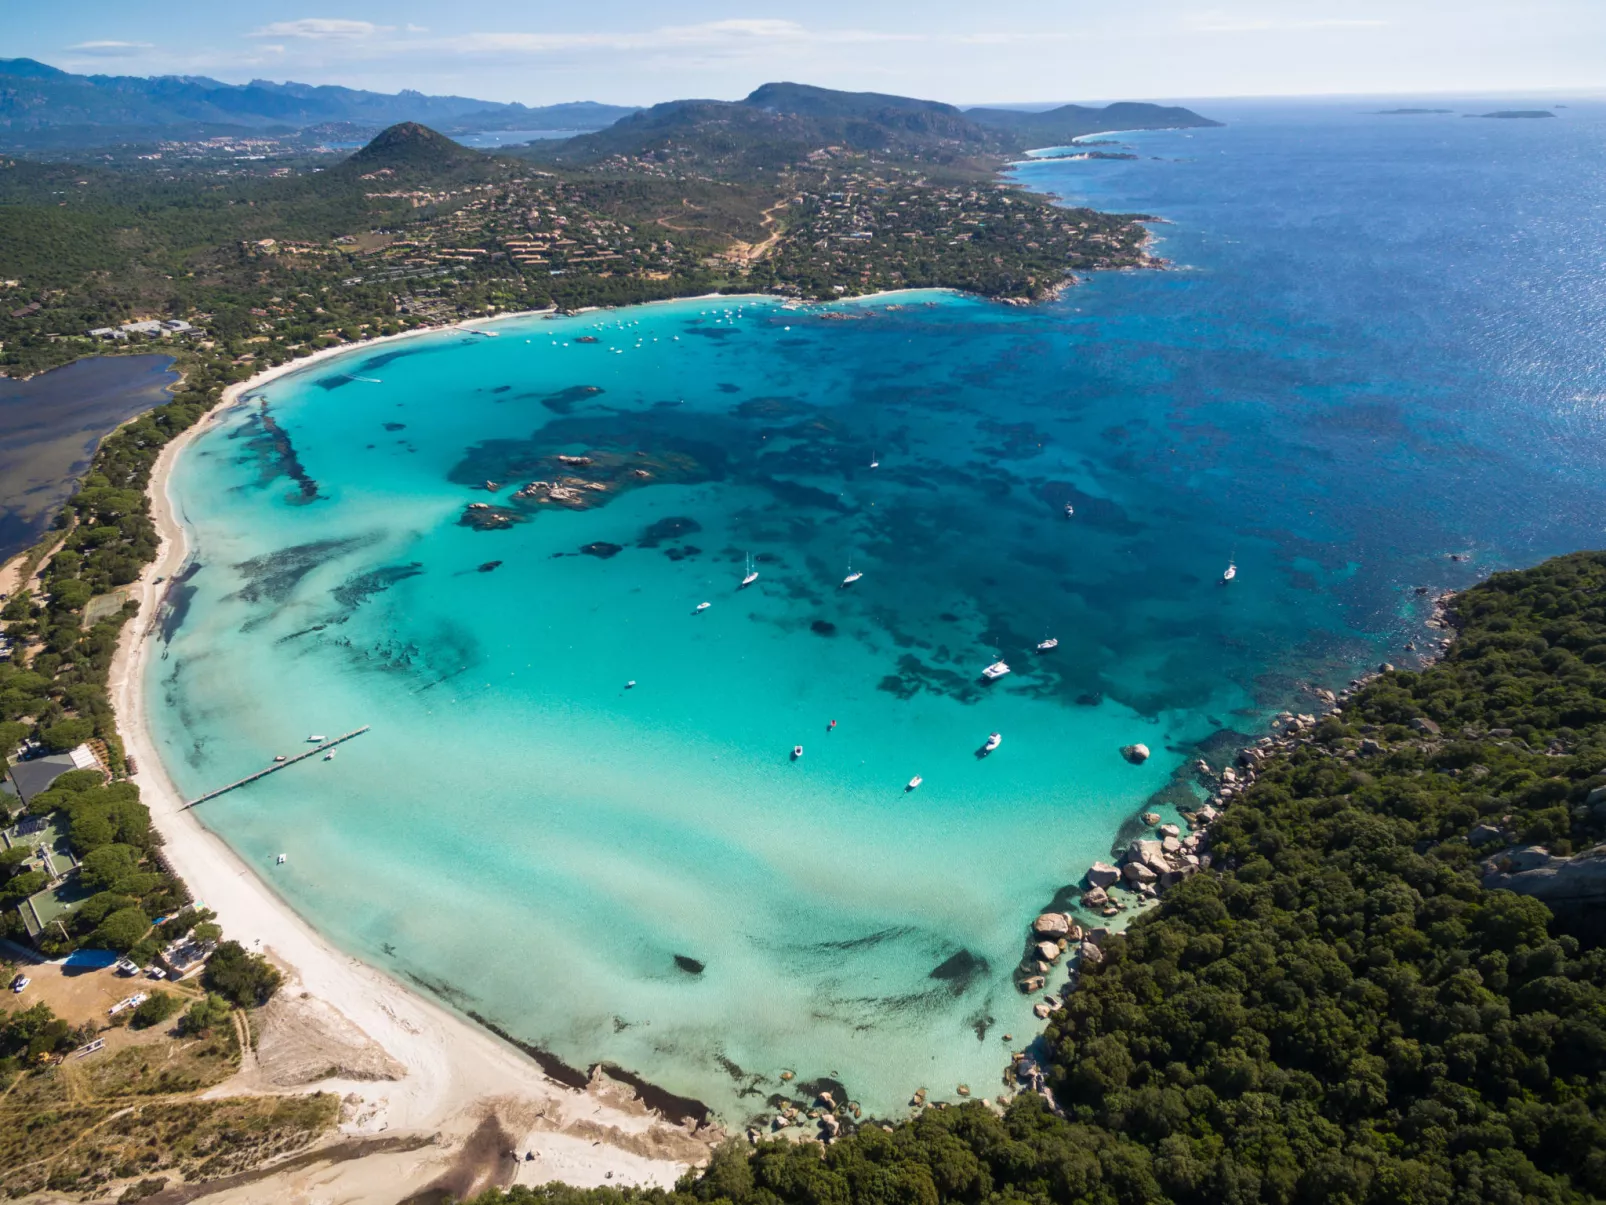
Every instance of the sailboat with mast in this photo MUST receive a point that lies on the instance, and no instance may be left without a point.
(752, 574)
(853, 575)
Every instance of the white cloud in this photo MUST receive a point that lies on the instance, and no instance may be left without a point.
(111, 49)
(729, 35)
(321, 29)
(1218, 22)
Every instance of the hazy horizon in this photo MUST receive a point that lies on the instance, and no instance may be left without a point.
(628, 53)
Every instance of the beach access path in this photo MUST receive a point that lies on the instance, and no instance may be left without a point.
(456, 1075)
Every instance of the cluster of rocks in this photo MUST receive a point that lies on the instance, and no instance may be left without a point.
(828, 1117)
(482, 516)
(1150, 865)
(1055, 935)
(1566, 884)
(565, 491)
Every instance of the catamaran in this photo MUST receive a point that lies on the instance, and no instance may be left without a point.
(752, 574)
(993, 742)
(1048, 645)
(995, 671)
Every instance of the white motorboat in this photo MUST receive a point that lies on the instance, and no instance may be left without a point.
(995, 671)
(700, 608)
(1232, 572)
(316, 738)
(993, 741)
(630, 685)
(280, 757)
(914, 782)
(282, 858)
(330, 756)
(1048, 645)
(1070, 511)
(797, 752)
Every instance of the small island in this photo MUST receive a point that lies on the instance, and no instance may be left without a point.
(1514, 114)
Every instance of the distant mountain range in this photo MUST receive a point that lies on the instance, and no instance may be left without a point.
(43, 106)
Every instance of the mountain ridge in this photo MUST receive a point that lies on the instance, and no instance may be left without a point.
(780, 123)
(41, 105)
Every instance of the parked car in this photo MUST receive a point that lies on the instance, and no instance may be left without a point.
(20, 982)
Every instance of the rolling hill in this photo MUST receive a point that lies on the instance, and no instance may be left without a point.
(780, 123)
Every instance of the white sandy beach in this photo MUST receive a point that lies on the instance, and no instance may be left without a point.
(455, 1073)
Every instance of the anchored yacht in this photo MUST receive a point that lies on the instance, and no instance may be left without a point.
(752, 574)
(1232, 572)
(853, 575)
(993, 741)
(914, 782)
(995, 671)
(797, 752)
(1048, 645)
(700, 608)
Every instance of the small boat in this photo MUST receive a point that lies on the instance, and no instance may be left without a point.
(875, 461)
(281, 859)
(1048, 645)
(1070, 511)
(993, 742)
(797, 752)
(316, 739)
(752, 574)
(630, 685)
(280, 757)
(330, 756)
(1232, 572)
(914, 782)
(853, 575)
(700, 608)
(995, 671)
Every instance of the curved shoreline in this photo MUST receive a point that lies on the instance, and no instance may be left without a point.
(457, 1074)
(454, 1063)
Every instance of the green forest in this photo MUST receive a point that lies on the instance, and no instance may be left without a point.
(1339, 1012)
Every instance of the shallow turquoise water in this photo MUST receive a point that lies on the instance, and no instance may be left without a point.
(535, 843)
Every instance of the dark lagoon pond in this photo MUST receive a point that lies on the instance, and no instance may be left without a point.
(50, 426)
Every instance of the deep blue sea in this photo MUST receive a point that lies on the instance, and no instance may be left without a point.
(1381, 343)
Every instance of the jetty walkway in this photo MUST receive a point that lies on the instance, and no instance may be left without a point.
(278, 765)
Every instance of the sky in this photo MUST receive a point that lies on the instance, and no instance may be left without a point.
(639, 52)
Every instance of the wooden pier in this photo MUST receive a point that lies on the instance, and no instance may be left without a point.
(279, 765)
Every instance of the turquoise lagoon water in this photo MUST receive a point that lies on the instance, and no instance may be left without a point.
(1312, 394)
